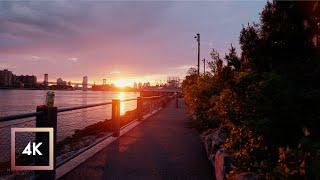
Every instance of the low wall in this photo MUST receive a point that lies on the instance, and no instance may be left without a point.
(155, 93)
(220, 159)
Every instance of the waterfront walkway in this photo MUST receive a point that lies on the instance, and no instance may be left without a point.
(165, 146)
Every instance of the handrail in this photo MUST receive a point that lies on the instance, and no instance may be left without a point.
(151, 97)
(19, 116)
(33, 114)
(125, 100)
(82, 107)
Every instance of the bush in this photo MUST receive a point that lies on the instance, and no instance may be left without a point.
(268, 98)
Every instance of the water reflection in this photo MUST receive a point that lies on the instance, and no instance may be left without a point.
(84, 102)
(122, 104)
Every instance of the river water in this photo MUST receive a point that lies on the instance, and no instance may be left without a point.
(23, 101)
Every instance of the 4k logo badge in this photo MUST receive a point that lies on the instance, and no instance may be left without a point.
(41, 151)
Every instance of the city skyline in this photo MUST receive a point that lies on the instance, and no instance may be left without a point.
(44, 79)
(9, 79)
(122, 41)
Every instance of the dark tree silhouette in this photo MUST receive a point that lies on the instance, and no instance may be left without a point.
(270, 92)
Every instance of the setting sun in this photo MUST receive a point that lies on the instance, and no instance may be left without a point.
(122, 83)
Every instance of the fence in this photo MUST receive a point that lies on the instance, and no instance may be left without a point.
(47, 117)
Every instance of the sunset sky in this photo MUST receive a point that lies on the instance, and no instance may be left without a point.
(139, 41)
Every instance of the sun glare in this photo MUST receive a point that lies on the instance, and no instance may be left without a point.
(122, 83)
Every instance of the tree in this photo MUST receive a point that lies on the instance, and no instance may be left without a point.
(271, 90)
(232, 59)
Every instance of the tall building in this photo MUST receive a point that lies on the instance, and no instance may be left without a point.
(45, 81)
(6, 78)
(85, 83)
(26, 80)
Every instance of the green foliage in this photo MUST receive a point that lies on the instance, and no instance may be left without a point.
(268, 98)
(247, 148)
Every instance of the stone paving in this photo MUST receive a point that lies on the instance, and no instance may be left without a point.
(165, 146)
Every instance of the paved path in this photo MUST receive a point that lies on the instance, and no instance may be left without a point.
(162, 147)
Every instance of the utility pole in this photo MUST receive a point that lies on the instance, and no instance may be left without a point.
(198, 40)
(204, 66)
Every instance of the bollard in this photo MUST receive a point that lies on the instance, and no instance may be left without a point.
(50, 99)
(139, 108)
(47, 119)
(116, 117)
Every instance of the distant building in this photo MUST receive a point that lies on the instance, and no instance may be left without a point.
(45, 80)
(61, 82)
(6, 78)
(147, 84)
(173, 82)
(26, 81)
(61, 85)
(85, 83)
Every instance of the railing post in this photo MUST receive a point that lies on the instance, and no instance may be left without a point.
(116, 117)
(157, 102)
(139, 108)
(177, 100)
(151, 105)
(163, 100)
(47, 119)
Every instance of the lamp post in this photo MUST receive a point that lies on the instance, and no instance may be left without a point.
(197, 37)
(204, 66)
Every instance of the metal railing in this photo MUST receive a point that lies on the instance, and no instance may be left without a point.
(19, 116)
(37, 113)
(47, 117)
